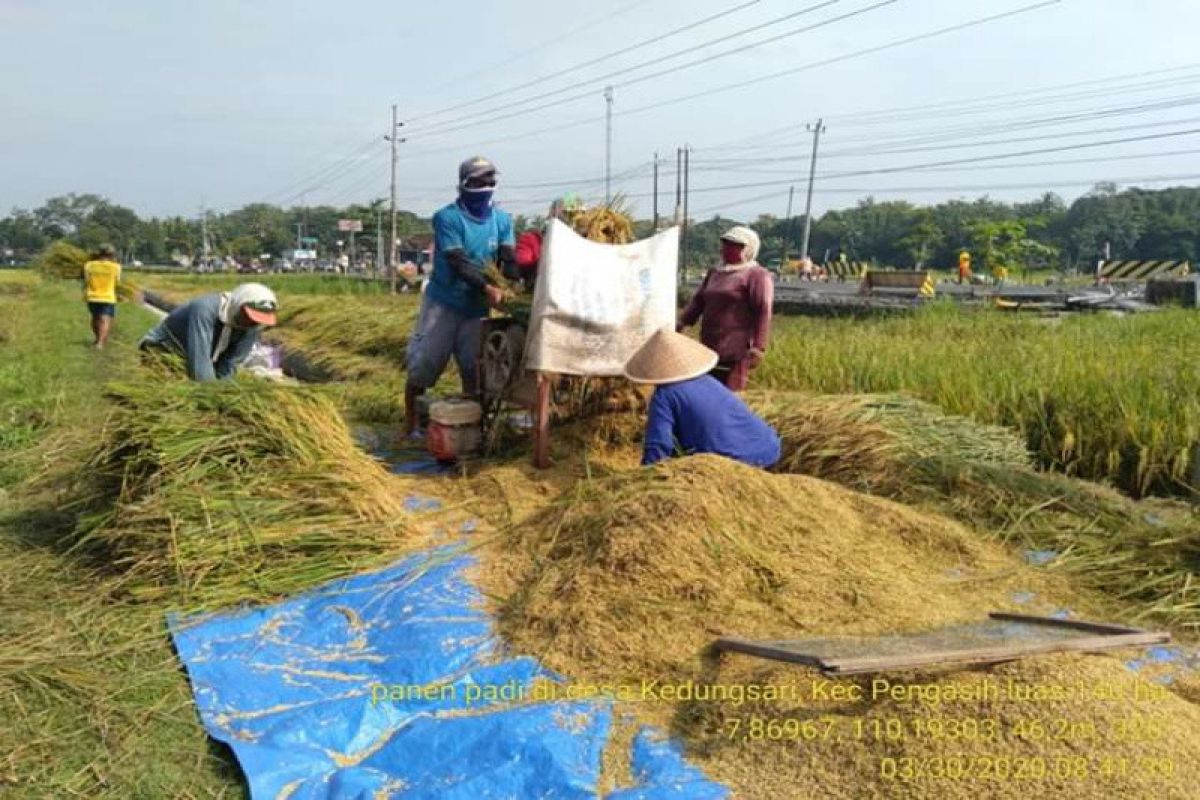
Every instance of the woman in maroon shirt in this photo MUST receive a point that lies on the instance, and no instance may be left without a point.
(734, 306)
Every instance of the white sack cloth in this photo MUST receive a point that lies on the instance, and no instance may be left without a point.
(595, 304)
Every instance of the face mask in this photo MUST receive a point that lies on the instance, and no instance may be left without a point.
(477, 202)
(732, 252)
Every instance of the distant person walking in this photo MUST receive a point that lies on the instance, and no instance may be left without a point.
(100, 278)
(734, 304)
(215, 332)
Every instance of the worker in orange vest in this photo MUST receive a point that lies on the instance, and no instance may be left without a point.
(964, 267)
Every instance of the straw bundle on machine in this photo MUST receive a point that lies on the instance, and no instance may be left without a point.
(608, 224)
(215, 493)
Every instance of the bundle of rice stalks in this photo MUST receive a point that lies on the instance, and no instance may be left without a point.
(216, 493)
(1146, 553)
(518, 303)
(64, 261)
(61, 260)
(351, 337)
(869, 441)
(608, 224)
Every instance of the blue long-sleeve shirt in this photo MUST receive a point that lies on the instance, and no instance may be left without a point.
(705, 417)
(194, 329)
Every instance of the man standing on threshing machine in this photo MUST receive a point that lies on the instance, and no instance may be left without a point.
(735, 301)
(691, 411)
(468, 235)
(529, 244)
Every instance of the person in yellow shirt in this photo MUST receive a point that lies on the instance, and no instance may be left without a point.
(100, 278)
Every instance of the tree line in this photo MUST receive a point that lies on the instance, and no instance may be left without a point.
(1044, 233)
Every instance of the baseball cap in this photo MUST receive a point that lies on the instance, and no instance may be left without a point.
(475, 167)
(261, 312)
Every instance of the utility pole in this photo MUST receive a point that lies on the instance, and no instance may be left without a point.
(394, 140)
(608, 103)
(379, 237)
(678, 183)
(656, 191)
(687, 151)
(817, 130)
(787, 237)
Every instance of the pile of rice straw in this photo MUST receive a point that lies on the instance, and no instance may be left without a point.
(627, 579)
(636, 570)
(225, 492)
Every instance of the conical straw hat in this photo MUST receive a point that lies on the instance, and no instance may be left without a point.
(669, 357)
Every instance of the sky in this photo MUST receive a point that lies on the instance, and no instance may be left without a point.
(168, 106)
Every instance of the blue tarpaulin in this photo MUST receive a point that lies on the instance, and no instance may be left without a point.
(393, 683)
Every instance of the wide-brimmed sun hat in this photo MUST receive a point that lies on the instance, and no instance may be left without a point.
(669, 357)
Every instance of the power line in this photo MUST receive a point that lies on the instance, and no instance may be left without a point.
(289, 190)
(1008, 186)
(846, 57)
(491, 115)
(772, 76)
(896, 145)
(590, 62)
(525, 52)
(943, 133)
(1013, 140)
(1022, 165)
(743, 142)
(954, 162)
(904, 112)
(367, 164)
(958, 146)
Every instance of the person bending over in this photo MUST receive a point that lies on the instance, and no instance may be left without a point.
(692, 412)
(215, 332)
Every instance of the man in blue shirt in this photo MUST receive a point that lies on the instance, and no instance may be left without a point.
(693, 412)
(468, 235)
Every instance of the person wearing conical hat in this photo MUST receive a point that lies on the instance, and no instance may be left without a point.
(691, 411)
(734, 306)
